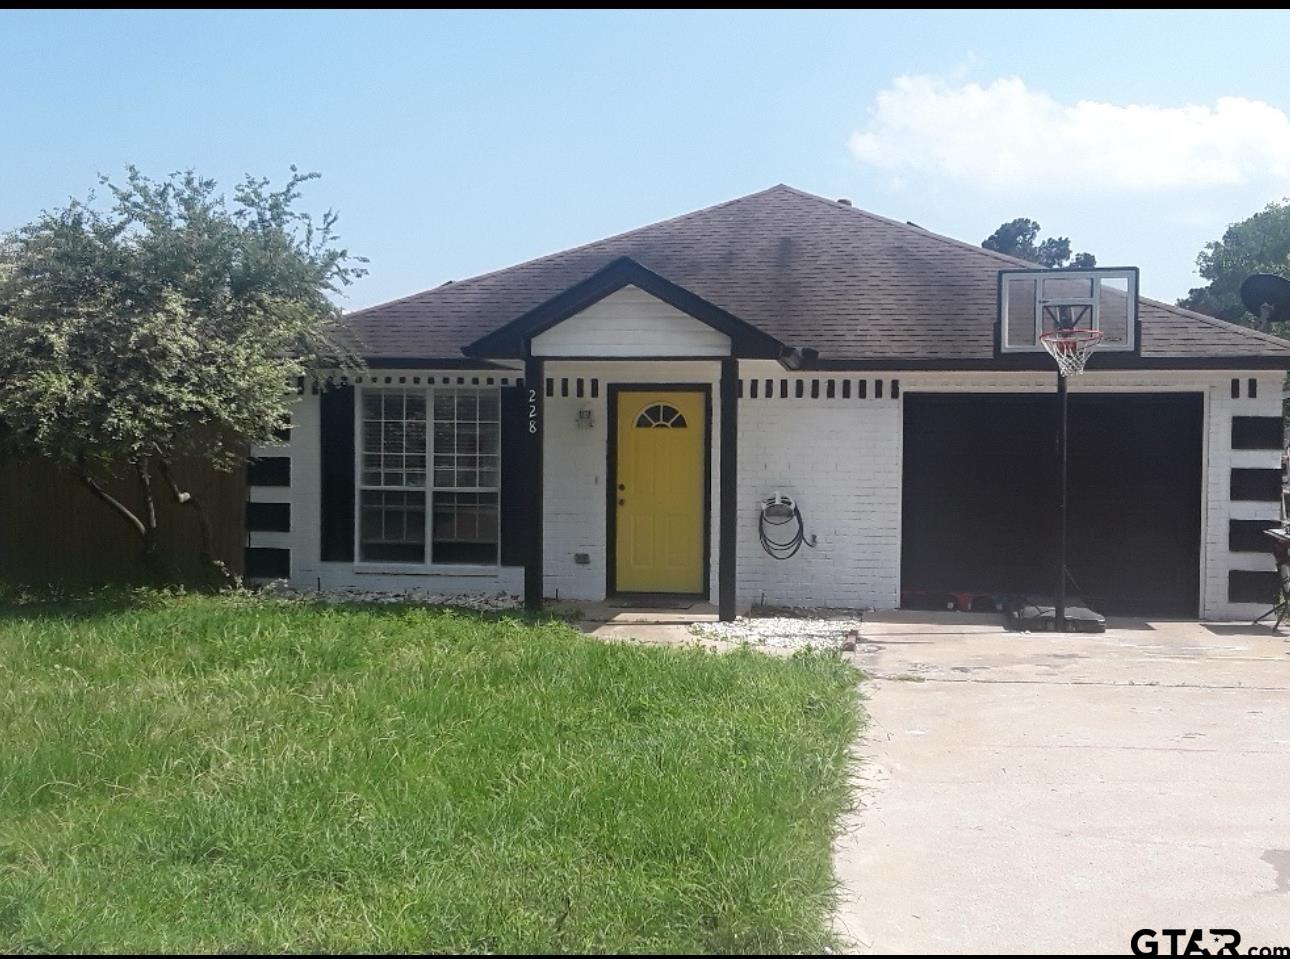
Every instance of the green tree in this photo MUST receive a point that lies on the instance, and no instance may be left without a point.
(1020, 238)
(168, 325)
(1257, 244)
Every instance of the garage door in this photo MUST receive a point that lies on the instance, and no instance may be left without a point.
(980, 484)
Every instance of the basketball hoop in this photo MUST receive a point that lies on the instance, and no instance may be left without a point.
(1071, 348)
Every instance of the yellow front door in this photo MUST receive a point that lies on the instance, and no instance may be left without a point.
(660, 491)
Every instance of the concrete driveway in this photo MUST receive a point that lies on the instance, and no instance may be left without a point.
(1041, 793)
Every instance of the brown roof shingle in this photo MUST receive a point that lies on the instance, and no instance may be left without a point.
(809, 271)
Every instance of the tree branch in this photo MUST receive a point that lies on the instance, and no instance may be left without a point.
(145, 484)
(82, 471)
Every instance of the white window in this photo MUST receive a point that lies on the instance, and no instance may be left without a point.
(457, 449)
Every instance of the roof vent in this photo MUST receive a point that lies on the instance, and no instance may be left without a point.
(844, 201)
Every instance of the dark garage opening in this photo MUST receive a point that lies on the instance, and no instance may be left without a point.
(980, 489)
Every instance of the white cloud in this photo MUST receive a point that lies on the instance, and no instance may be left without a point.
(1007, 137)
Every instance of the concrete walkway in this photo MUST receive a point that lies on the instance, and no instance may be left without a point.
(1041, 793)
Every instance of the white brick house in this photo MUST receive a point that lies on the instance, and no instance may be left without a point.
(609, 420)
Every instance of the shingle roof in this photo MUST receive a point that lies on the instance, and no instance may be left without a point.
(807, 270)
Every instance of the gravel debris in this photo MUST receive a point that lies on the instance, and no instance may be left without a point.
(480, 602)
(787, 632)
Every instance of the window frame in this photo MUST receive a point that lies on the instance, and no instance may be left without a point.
(428, 564)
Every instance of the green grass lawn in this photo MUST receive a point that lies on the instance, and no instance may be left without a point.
(218, 773)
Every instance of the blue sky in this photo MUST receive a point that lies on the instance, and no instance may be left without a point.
(456, 143)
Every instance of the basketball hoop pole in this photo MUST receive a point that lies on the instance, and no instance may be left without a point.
(1059, 617)
(1071, 347)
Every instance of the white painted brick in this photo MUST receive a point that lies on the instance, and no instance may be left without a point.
(839, 458)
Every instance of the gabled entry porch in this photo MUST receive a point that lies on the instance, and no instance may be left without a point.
(631, 385)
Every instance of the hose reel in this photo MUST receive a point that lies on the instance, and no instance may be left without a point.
(780, 527)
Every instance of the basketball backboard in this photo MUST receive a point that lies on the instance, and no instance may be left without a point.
(1038, 301)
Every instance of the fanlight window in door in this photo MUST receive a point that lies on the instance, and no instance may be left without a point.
(660, 415)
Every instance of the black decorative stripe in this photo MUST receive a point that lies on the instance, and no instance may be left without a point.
(262, 562)
(268, 517)
(269, 471)
(1256, 433)
(1256, 485)
(1246, 535)
(1252, 586)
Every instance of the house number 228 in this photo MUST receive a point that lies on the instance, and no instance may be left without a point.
(532, 411)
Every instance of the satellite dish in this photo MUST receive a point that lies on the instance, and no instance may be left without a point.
(1267, 296)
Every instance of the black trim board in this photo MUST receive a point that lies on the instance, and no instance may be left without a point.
(1252, 586)
(1246, 535)
(1255, 485)
(268, 517)
(261, 562)
(512, 340)
(268, 471)
(727, 540)
(611, 484)
(1040, 361)
(1257, 433)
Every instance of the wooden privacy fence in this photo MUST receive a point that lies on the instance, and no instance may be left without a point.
(53, 530)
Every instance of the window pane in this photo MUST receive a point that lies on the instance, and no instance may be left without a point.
(415, 436)
(465, 528)
(392, 527)
(445, 438)
(393, 425)
(466, 426)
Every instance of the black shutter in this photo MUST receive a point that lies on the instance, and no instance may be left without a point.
(336, 407)
(516, 519)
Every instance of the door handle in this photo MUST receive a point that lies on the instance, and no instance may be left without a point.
(622, 502)
(622, 486)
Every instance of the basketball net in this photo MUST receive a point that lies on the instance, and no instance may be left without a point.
(1071, 348)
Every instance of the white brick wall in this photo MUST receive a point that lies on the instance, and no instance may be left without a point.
(1217, 559)
(839, 458)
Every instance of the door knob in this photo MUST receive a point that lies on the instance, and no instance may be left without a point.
(622, 486)
(622, 502)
